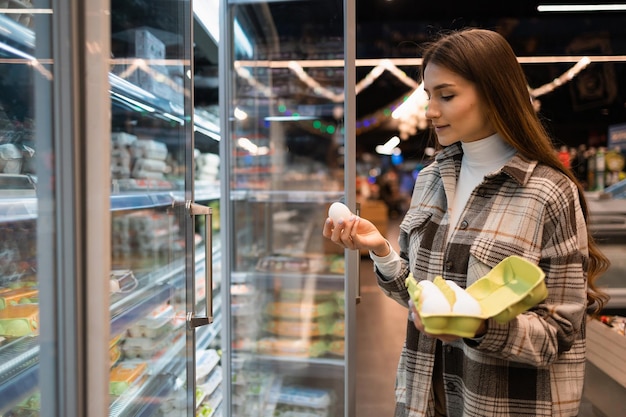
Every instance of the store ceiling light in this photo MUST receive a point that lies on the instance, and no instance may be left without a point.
(388, 147)
(581, 7)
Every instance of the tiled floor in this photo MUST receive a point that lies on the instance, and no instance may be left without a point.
(381, 325)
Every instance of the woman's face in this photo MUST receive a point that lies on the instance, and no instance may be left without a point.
(454, 107)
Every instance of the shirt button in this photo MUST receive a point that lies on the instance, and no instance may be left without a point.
(448, 349)
(448, 265)
(464, 225)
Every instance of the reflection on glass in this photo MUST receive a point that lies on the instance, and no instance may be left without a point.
(19, 276)
(287, 286)
(150, 110)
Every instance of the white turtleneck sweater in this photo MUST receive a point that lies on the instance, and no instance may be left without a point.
(480, 158)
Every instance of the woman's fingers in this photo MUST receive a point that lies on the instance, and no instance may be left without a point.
(341, 233)
(328, 228)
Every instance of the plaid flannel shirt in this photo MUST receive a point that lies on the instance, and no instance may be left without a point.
(533, 365)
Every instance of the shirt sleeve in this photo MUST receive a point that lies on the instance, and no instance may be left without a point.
(389, 265)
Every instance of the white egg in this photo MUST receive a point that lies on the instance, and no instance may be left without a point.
(465, 304)
(338, 211)
(432, 300)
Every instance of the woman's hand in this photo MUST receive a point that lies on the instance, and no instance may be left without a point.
(356, 233)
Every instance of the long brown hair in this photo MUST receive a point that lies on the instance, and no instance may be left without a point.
(486, 59)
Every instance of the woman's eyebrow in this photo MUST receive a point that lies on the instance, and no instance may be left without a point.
(439, 86)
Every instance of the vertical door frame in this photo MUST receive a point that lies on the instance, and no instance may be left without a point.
(353, 257)
(226, 226)
(76, 320)
(94, 44)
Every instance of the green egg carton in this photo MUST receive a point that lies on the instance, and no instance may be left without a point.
(510, 288)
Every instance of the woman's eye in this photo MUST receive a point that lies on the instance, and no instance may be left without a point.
(447, 98)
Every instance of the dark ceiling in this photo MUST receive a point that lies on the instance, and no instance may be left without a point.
(577, 112)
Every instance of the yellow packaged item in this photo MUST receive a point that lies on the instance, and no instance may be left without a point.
(19, 320)
(18, 296)
(124, 375)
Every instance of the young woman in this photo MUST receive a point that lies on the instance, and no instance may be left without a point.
(495, 189)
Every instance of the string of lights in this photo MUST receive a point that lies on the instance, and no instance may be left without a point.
(409, 110)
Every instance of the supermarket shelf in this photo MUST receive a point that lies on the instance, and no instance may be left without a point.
(288, 196)
(140, 402)
(245, 277)
(19, 371)
(25, 208)
(308, 361)
(143, 303)
(14, 210)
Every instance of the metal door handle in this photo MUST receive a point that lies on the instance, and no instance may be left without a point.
(358, 264)
(199, 210)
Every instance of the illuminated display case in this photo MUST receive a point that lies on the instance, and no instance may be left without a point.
(292, 306)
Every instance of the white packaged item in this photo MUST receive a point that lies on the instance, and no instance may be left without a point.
(206, 361)
(304, 397)
(121, 139)
(144, 348)
(149, 149)
(11, 159)
(155, 325)
(153, 165)
(149, 168)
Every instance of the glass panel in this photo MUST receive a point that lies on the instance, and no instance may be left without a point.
(24, 153)
(209, 394)
(151, 229)
(287, 283)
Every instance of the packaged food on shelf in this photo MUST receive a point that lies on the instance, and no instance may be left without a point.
(11, 159)
(18, 296)
(155, 325)
(337, 347)
(301, 310)
(144, 348)
(149, 149)
(125, 375)
(313, 293)
(206, 361)
(281, 263)
(31, 406)
(305, 397)
(300, 348)
(123, 281)
(19, 320)
(122, 139)
(209, 404)
(300, 328)
(115, 350)
(285, 410)
(212, 382)
(149, 168)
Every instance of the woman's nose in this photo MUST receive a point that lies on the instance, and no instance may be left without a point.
(431, 112)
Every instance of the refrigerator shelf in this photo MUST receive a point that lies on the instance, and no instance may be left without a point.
(25, 208)
(19, 370)
(144, 400)
(140, 309)
(290, 196)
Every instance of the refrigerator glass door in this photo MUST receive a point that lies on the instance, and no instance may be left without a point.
(153, 228)
(287, 292)
(26, 215)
